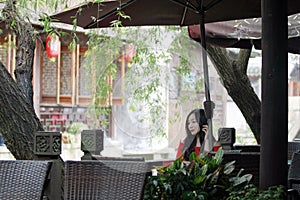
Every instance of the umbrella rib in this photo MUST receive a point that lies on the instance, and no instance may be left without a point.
(110, 13)
(184, 14)
(187, 5)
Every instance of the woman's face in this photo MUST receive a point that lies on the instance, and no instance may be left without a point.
(193, 125)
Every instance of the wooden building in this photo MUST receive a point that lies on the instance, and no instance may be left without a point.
(61, 87)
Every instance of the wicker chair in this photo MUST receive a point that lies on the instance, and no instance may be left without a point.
(294, 173)
(104, 179)
(23, 179)
(99, 157)
(293, 147)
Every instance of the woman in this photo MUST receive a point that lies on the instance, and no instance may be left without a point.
(196, 129)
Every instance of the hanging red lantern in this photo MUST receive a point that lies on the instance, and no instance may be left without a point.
(130, 52)
(52, 45)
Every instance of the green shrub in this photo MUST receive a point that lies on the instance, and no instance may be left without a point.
(203, 177)
(250, 192)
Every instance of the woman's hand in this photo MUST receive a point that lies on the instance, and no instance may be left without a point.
(205, 129)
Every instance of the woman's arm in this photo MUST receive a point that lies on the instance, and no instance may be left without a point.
(179, 149)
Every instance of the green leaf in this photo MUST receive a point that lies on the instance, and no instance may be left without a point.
(229, 167)
(219, 156)
(204, 169)
(241, 180)
(199, 179)
(214, 177)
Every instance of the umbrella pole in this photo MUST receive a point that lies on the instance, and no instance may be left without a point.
(208, 104)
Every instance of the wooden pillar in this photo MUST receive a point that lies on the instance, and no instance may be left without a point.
(58, 74)
(274, 116)
(73, 78)
(9, 54)
(36, 80)
(123, 66)
(77, 73)
(13, 55)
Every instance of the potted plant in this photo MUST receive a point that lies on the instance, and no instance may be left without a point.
(73, 133)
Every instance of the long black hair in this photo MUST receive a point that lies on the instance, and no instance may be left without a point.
(191, 140)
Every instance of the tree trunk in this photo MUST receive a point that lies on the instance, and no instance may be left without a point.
(24, 60)
(234, 78)
(25, 49)
(18, 121)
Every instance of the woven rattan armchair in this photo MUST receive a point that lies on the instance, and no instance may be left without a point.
(23, 179)
(293, 146)
(98, 157)
(294, 174)
(104, 179)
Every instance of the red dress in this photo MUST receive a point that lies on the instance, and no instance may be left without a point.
(197, 150)
(180, 148)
